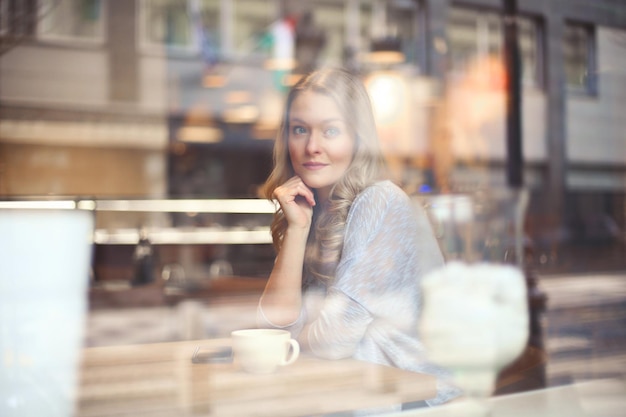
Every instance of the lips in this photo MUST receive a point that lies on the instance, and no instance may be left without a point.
(313, 166)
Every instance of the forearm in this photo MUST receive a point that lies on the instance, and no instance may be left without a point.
(335, 326)
(282, 298)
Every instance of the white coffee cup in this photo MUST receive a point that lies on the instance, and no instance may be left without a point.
(262, 351)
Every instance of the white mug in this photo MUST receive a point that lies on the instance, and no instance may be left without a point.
(45, 256)
(262, 351)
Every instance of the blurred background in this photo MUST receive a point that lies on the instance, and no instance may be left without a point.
(180, 99)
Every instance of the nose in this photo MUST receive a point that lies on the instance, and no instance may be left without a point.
(313, 143)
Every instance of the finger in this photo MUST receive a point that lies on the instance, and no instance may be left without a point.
(292, 188)
(306, 192)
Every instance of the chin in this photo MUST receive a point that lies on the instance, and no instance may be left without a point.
(309, 182)
(315, 184)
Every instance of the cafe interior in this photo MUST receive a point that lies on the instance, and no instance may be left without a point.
(135, 136)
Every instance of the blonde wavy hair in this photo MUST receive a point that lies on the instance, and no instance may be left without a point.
(326, 237)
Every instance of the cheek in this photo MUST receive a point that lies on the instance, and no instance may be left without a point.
(345, 152)
(292, 149)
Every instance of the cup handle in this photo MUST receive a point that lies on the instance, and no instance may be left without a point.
(293, 353)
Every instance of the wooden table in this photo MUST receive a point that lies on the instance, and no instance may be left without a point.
(160, 380)
(595, 398)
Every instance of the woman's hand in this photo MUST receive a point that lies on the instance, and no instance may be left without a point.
(281, 302)
(297, 201)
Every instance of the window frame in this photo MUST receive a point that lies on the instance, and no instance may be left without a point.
(74, 40)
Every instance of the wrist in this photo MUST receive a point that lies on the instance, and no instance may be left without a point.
(298, 231)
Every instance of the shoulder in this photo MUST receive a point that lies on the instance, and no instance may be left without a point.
(382, 190)
(378, 200)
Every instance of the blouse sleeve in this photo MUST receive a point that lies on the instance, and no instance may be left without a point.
(386, 249)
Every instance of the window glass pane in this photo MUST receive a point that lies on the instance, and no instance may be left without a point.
(476, 34)
(251, 24)
(71, 19)
(4, 17)
(210, 16)
(310, 42)
(528, 38)
(403, 23)
(330, 18)
(463, 38)
(207, 27)
(166, 23)
(577, 55)
(365, 26)
(490, 24)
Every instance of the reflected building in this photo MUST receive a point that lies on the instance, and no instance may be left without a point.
(182, 98)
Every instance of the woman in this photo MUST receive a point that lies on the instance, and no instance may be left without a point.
(351, 247)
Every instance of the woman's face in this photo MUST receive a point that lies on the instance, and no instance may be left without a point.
(320, 144)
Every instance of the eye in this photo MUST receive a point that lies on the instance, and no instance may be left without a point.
(331, 132)
(298, 130)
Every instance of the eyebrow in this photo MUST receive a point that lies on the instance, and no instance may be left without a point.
(334, 119)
